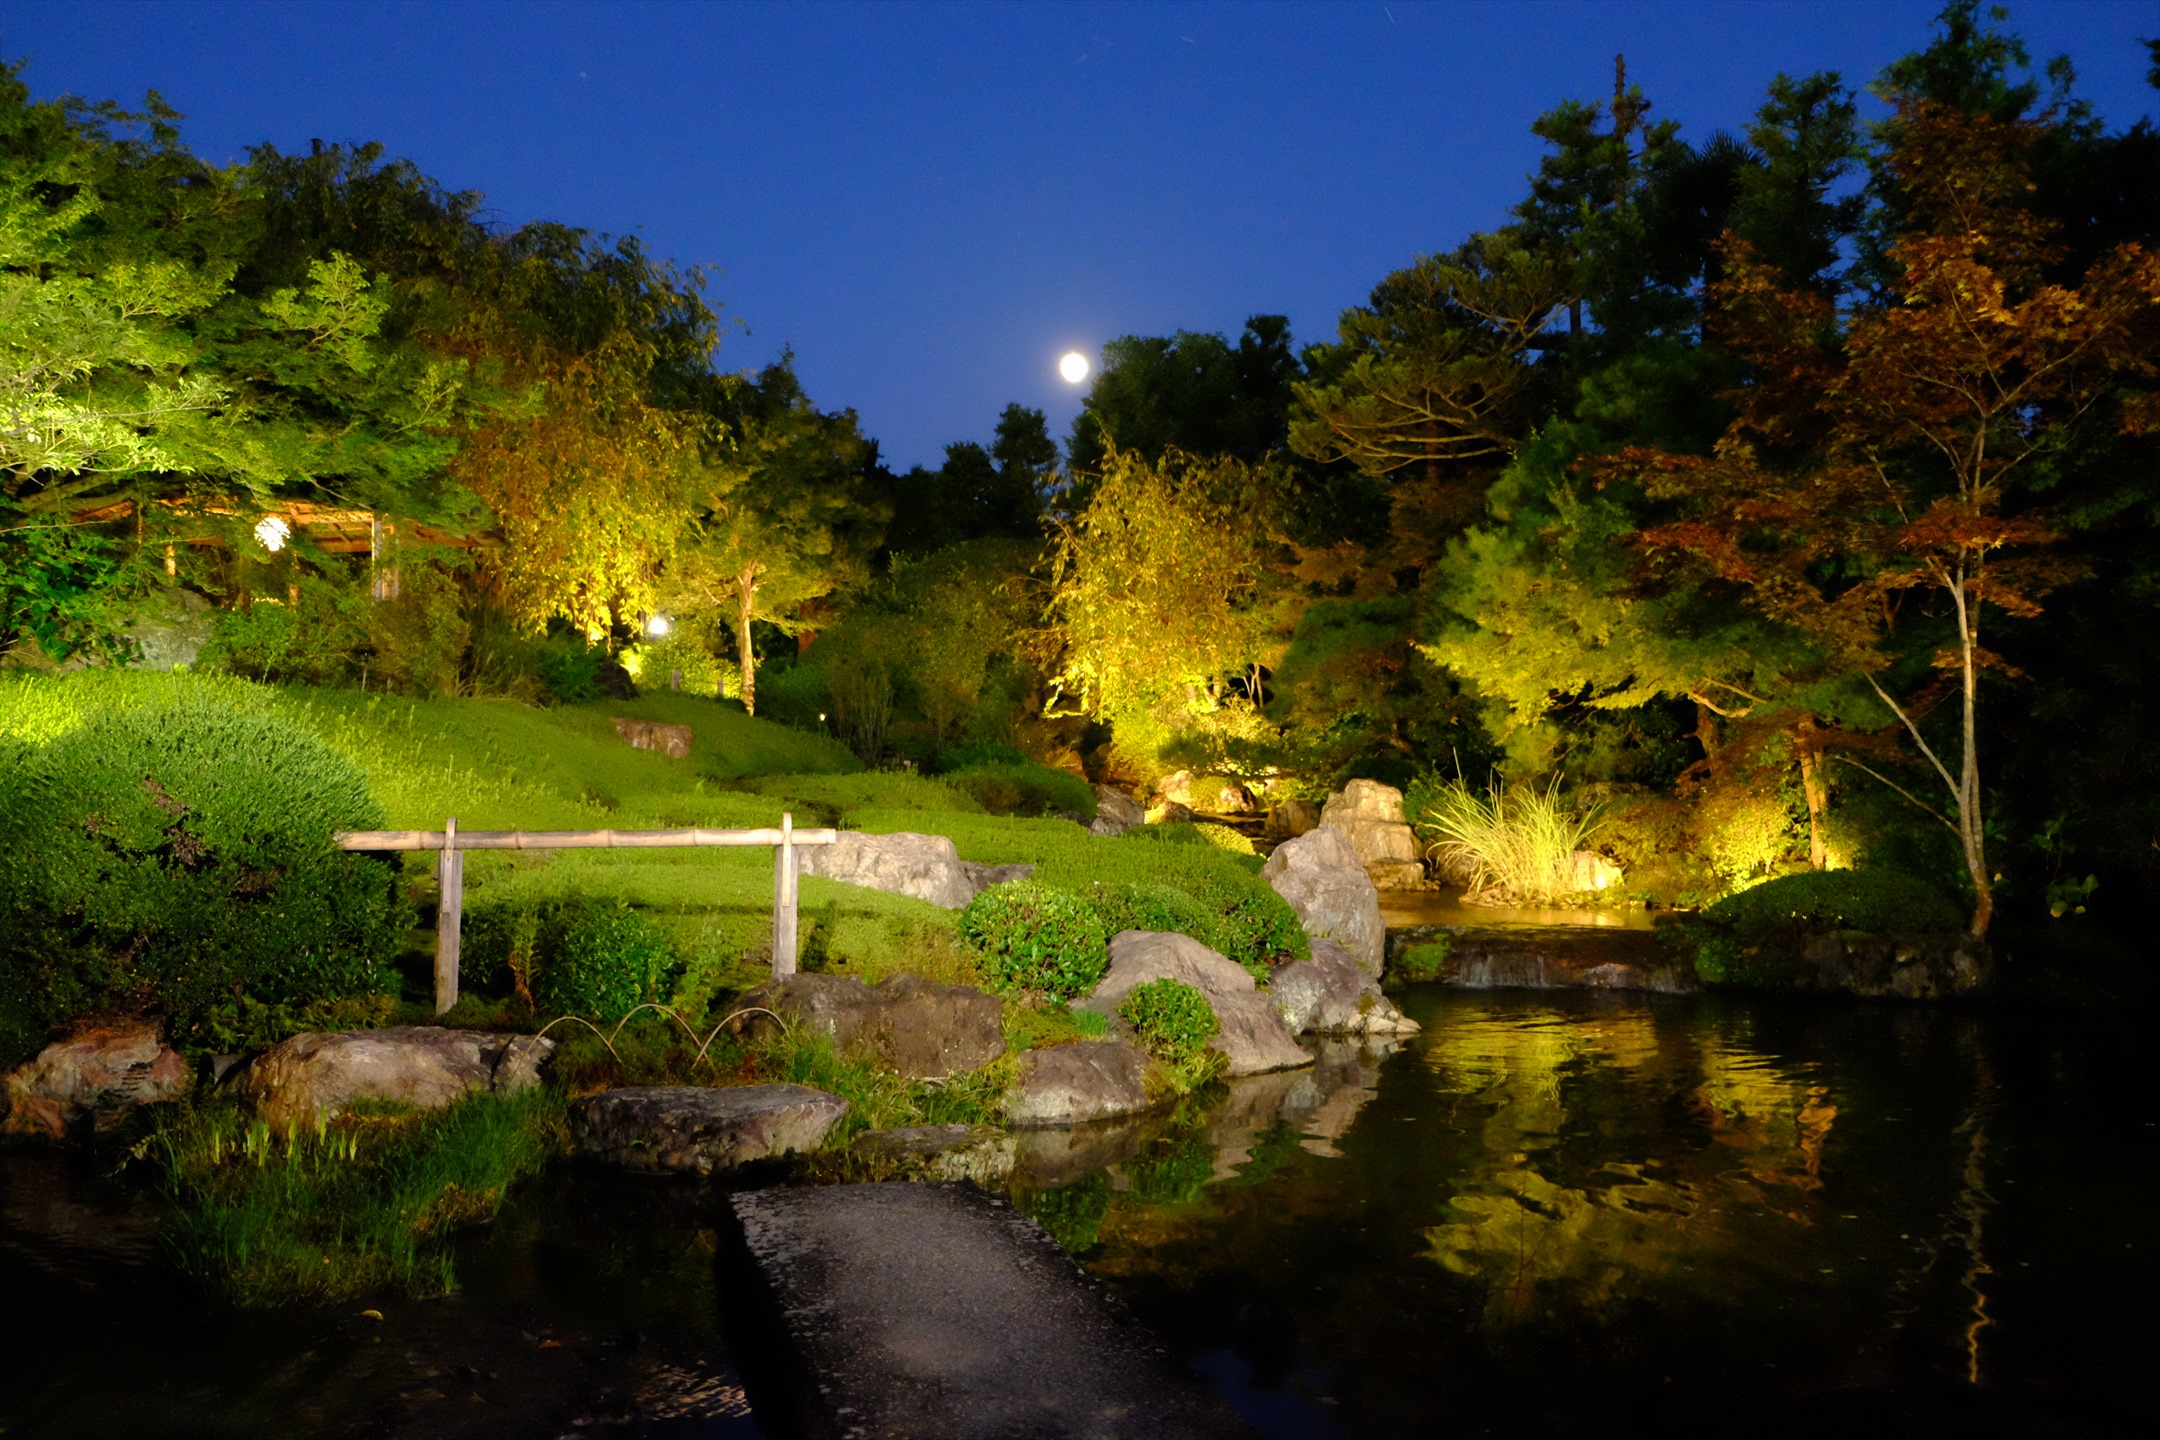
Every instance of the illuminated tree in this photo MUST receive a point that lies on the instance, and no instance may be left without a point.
(782, 518)
(1154, 592)
(1875, 490)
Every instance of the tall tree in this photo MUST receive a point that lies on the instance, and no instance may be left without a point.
(1153, 611)
(1193, 392)
(783, 517)
(1893, 451)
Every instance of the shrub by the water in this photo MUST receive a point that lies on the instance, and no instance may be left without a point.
(1172, 1020)
(1817, 901)
(1157, 907)
(580, 955)
(174, 857)
(1259, 929)
(1032, 937)
(1755, 938)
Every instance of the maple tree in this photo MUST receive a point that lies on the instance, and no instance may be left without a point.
(1875, 490)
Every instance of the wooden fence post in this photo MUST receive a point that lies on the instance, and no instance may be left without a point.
(449, 913)
(783, 927)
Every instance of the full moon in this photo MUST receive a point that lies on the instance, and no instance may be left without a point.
(1073, 366)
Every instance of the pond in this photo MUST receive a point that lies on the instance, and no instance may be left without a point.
(1554, 1213)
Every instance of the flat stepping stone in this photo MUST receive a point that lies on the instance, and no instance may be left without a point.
(695, 1130)
(936, 1312)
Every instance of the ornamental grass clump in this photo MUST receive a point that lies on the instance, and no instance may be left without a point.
(1037, 939)
(345, 1206)
(1514, 844)
(1173, 1022)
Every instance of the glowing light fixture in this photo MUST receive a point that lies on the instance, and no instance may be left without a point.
(273, 532)
(1073, 366)
(656, 625)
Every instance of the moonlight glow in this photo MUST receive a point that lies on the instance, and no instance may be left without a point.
(1073, 366)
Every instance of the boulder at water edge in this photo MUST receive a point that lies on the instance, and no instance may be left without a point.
(92, 1081)
(981, 1153)
(1370, 816)
(924, 866)
(1073, 1084)
(695, 1130)
(1329, 995)
(1253, 1037)
(1320, 875)
(918, 1027)
(422, 1065)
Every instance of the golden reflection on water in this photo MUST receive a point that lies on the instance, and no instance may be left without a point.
(1553, 1210)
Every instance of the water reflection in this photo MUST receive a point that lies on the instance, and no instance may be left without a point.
(1555, 1210)
(1550, 1210)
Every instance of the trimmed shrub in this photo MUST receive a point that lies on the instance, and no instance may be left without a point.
(1819, 901)
(1024, 788)
(177, 857)
(1755, 938)
(581, 955)
(1259, 930)
(1034, 938)
(1172, 1020)
(1157, 907)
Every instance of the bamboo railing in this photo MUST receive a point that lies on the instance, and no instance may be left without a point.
(451, 843)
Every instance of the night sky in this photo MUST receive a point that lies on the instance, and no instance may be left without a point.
(930, 203)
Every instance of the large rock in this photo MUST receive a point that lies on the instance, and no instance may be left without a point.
(924, 866)
(1370, 816)
(918, 1027)
(1899, 967)
(695, 1130)
(1591, 871)
(1552, 957)
(981, 877)
(1115, 811)
(1329, 995)
(1073, 1084)
(421, 1065)
(672, 741)
(1253, 1037)
(1320, 875)
(1291, 819)
(980, 1153)
(92, 1081)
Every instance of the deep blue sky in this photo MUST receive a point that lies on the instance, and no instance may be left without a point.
(930, 203)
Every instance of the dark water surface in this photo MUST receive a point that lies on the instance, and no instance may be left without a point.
(1554, 1213)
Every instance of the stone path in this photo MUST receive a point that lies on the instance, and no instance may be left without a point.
(935, 1312)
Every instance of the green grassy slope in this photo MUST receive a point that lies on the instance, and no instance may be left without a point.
(497, 764)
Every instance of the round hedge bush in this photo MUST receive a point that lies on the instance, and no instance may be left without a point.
(577, 956)
(1157, 907)
(179, 857)
(1033, 937)
(1172, 1020)
(1816, 902)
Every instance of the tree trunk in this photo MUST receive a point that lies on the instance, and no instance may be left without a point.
(746, 592)
(1817, 792)
(1970, 829)
(1706, 730)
